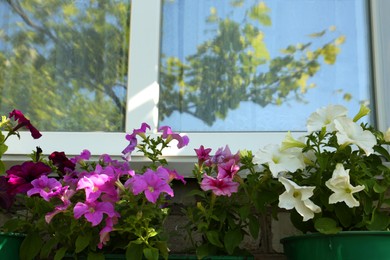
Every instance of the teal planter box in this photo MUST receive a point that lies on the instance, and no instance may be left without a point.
(356, 245)
(10, 245)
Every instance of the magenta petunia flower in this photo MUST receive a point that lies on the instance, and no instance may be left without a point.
(96, 184)
(169, 135)
(202, 154)
(151, 184)
(24, 122)
(220, 187)
(93, 211)
(20, 176)
(104, 234)
(45, 187)
(6, 199)
(64, 196)
(227, 169)
(132, 138)
(85, 155)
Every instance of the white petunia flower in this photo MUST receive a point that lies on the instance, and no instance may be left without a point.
(279, 161)
(342, 188)
(297, 197)
(387, 135)
(350, 132)
(324, 117)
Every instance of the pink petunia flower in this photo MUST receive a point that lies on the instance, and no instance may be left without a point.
(202, 154)
(151, 184)
(220, 187)
(96, 184)
(104, 234)
(227, 169)
(93, 211)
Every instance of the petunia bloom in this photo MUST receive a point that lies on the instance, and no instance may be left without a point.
(24, 122)
(20, 176)
(168, 134)
(350, 132)
(93, 211)
(45, 187)
(62, 162)
(132, 138)
(227, 169)
(96, 184)
(220, 187)
(202, 154)
(324, 117)
(342, 188)
(151, 184)
(298, 197)
(279, 161)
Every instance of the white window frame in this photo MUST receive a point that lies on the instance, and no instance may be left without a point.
(143, 96)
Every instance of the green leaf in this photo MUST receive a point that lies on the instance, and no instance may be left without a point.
(47, 248)
(60, 253)
(134, 251)
(30, 246)
(163, 248)
(343, 214)
(326, 226)
(379, 221)
(82, 242)
(254, 226)
(151, 253)
(379, 188)
(213, 237)
(232, 240)
(2, 168)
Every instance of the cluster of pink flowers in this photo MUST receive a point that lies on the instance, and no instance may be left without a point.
(100, 184)
(226, 166)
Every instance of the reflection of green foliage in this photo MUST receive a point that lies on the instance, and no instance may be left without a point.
(230, 68)
(65, 65)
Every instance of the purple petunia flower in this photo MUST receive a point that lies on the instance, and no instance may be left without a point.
(132, 138)
(45, 187)
(168, 134)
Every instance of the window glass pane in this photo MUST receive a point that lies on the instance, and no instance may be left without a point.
(64, 63)
(247, 65)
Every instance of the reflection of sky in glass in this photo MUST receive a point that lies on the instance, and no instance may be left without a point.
(184, 28)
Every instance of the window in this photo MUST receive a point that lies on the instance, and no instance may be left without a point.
(148, 56)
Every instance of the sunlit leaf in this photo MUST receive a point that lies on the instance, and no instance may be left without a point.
(317, 35)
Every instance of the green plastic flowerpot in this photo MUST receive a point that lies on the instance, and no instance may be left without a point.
(10, 245)
(346, 245)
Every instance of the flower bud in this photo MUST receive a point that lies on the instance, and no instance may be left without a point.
(362, 112)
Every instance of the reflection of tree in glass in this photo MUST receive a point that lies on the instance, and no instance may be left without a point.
(236, 66)
(64, 63)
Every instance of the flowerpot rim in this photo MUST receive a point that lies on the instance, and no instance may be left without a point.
(11, 234)
(339, 234)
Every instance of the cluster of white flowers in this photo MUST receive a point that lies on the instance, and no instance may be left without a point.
(285, 159)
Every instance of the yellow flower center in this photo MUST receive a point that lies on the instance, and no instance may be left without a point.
(297, 194)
